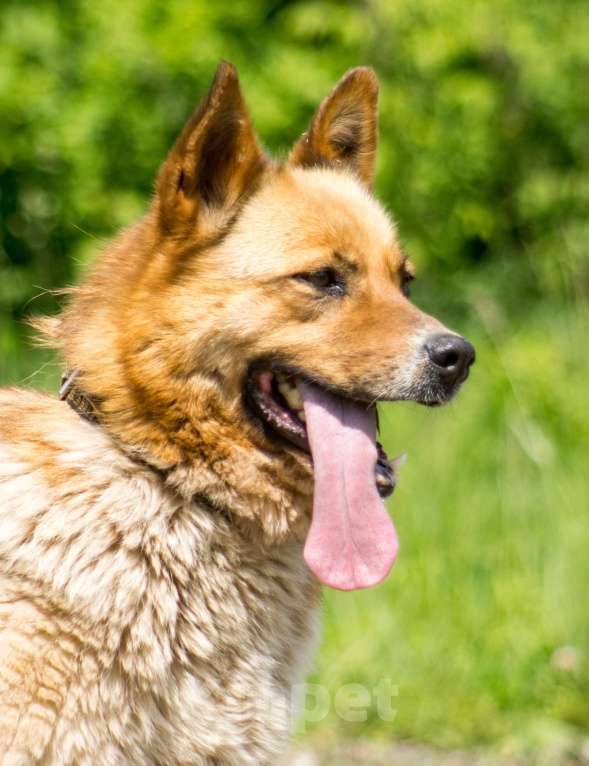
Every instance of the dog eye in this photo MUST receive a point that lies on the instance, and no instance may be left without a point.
(406, 279)
(327, 280)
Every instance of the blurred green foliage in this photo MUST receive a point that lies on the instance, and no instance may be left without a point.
(484, 122)
(483, 160)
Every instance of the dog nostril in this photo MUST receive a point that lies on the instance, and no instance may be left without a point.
(447, 358)
(451, 354)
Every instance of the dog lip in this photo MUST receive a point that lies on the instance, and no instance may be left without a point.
(268, 405)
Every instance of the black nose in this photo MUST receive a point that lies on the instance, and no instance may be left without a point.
(452, 356)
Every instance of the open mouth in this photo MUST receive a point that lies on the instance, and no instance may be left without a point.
(275, 397)
(351, 541)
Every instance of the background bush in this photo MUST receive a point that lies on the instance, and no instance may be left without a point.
(483, 159)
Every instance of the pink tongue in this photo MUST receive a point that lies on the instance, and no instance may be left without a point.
(352, 542)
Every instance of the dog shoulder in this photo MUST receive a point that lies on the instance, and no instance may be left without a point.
(47, 448)
(73, 508)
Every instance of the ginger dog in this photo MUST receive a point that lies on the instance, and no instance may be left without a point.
(164, 537)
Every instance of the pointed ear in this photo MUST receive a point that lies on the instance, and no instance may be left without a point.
(215, 160)
(343, 132)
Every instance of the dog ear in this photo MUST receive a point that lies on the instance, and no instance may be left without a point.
(343, 132)
(215, 159)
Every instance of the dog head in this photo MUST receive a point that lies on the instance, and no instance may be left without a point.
(247, 281)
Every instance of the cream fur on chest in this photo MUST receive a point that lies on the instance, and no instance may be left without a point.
(135, 628)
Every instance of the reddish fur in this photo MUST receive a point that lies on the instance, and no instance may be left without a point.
(169, 379)
(163, 332)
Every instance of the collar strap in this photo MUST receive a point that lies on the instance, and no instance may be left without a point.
(81, 402)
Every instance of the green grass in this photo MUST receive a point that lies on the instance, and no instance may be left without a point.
(492, 513)
(493, 573)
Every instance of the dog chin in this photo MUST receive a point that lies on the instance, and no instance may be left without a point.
(436, 395)
(426, 389)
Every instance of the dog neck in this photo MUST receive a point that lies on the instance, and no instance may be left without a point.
(278, 515)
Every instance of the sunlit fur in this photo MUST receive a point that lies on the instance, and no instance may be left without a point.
(155, 607)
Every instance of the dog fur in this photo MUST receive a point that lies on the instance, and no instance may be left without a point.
(155, 607)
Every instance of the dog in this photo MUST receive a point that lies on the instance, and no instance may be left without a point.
(163, 538)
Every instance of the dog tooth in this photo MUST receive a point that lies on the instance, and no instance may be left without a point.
(291, 395)
(286, 391)
(302, 416)
(295, 399)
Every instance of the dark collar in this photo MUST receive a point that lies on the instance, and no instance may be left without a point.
(84, 404)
